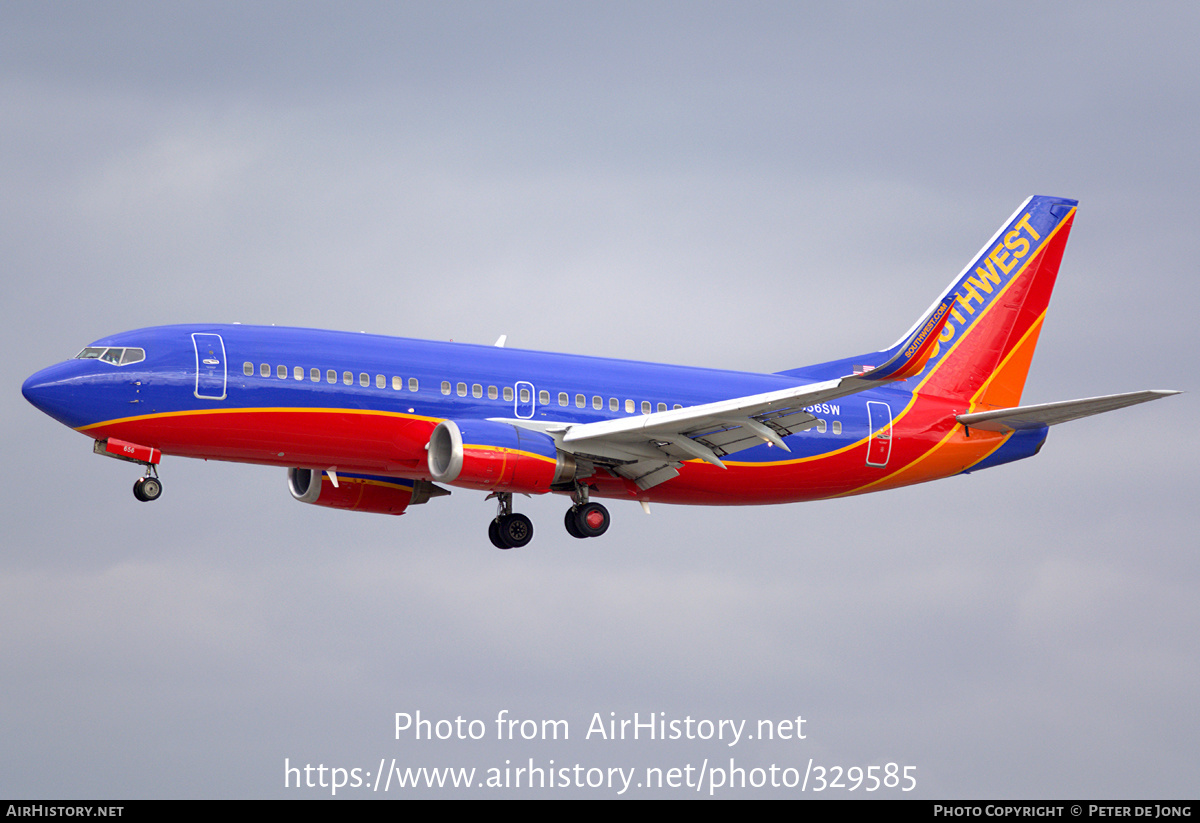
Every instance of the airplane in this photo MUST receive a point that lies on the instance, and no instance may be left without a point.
(377, 424)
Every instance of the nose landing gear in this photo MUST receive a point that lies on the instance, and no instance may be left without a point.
(147, 488)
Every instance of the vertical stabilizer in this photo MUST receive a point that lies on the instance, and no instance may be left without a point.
(1000, 299)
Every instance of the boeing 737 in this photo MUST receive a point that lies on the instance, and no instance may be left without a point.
(377, 424)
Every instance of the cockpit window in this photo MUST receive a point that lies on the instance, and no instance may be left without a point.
(115, 355)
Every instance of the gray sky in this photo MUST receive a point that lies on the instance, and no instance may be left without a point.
(752, 186)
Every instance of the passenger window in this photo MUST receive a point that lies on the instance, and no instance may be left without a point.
(820, 425)
(492, 393)
(662, 406)
(580, 400)
(597, 402)
(397, 383)
(563, 399)
(462, 389)
(314, 375)
(264, 370)
(508, 395)
(348, 378)
(281, 372)
(380, 381)
(645, 407)
(331, 376)
(298, 372)
(614, 404)
(364, 379)
(477, 390)
(524, 395)
(543, 397)
(445, 387)
(629, 407)
(248, 369)
(412, 384)
(677, 406)
(837, 426)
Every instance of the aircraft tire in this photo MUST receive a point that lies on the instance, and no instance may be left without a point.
(494, 534)
(151, 489)
(515, 530)
(592, 520)
(572, 526)
(137, 489)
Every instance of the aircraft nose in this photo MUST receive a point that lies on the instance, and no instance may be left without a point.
(36, 389)
(55, 391)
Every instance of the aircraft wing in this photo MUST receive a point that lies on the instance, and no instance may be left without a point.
(649, 448)
(1049, 414)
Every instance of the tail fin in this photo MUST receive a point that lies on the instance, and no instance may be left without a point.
(984, 349)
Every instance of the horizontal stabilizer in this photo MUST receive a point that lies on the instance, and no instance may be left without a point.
(1049, 414)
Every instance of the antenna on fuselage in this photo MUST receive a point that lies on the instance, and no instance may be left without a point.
(500, 341)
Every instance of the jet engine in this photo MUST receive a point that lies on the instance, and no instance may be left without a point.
(381, 495)
(481, 454)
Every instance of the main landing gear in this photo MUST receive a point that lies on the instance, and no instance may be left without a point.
(509, 530)
(588, 520)
(585, 519)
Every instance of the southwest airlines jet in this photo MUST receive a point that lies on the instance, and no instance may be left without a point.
(377, 424)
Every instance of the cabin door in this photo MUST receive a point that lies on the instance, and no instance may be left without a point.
(211, 374)
(879, 447)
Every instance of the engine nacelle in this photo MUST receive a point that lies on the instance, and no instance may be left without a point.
(481, 454)
(381, 495)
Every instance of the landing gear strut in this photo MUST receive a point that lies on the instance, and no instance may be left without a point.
(509, 530)
(585, 519)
